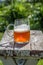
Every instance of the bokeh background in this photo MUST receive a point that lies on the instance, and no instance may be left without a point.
(17, 9)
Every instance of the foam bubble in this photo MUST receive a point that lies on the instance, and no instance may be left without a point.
(21, 28)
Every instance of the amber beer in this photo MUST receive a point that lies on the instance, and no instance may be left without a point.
(22, 33)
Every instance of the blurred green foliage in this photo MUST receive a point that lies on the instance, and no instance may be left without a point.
(40, 62)
(1, 63)
(11, 10)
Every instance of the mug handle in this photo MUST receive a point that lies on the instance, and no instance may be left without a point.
(9, 32)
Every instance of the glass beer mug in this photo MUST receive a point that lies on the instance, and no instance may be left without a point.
(21, 31)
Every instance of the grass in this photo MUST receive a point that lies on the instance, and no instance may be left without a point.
(1, 34)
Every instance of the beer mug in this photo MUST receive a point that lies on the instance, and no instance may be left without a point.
(21, 31)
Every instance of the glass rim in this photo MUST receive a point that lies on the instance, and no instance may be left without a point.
(22, 19)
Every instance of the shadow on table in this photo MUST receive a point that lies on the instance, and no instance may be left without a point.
(16, 45)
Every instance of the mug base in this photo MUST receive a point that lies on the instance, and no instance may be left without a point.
(21, 42)
(18, 45)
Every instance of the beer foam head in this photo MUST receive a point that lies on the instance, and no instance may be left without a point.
(21, 28)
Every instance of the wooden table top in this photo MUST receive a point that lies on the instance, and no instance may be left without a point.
(36, 42)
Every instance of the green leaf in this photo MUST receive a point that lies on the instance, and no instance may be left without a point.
(1, 63)
(40, 62)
